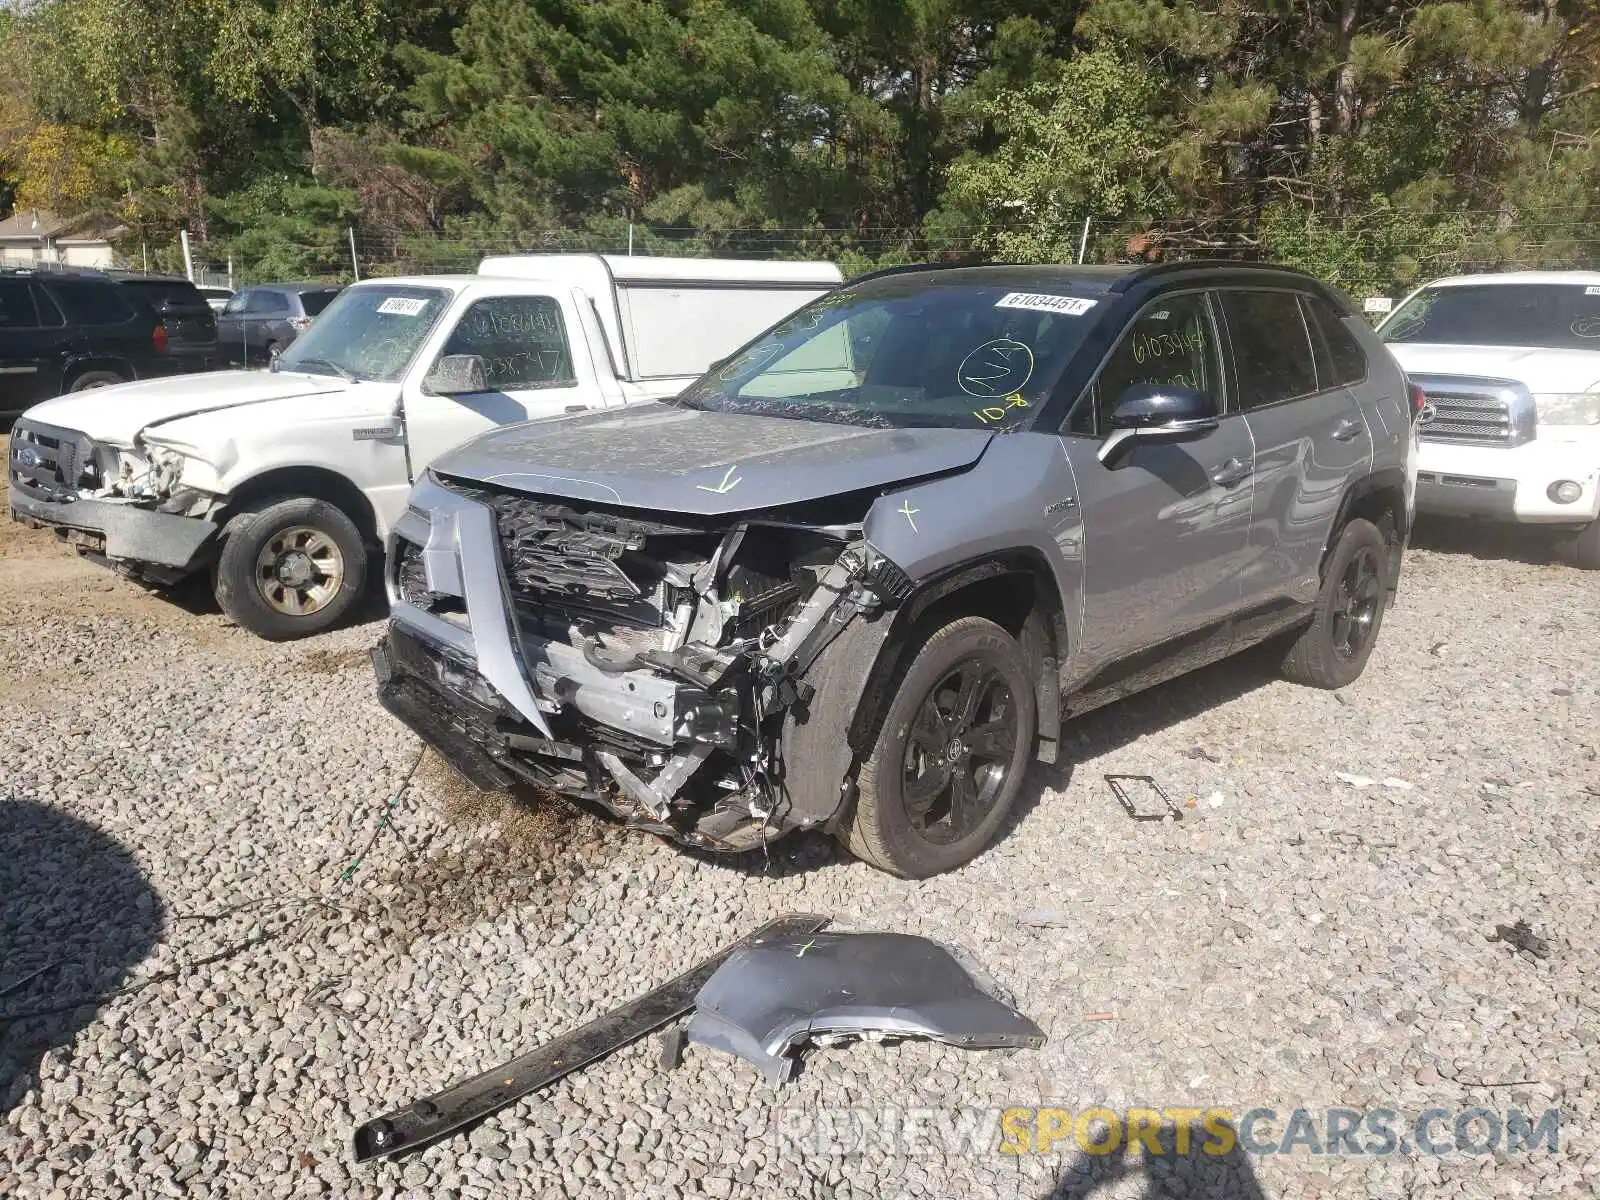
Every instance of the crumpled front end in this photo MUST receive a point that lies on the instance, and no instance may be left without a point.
(126, 508)
(645, 662)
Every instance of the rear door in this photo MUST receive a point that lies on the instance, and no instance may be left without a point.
(266, 323)
(1310, 439)
(116, 331)
(525, 345)
(1165, 530)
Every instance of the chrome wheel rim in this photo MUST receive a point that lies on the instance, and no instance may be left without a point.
(959, 751)
(299, 571)
(1355, 607)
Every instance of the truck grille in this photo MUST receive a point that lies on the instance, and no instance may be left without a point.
(1484, 420)
(1476, 412)
(49, 462)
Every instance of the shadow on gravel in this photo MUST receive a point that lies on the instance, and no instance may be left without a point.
(1491, 541)
(76, 915)
(1196, 1171)
(195, 596)
(1126, 721)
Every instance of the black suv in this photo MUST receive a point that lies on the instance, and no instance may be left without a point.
(260, 321)
(64, 331)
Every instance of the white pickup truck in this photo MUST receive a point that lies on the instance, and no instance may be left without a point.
(1510, 366)
(284, 483)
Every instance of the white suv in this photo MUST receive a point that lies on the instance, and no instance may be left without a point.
(1510, 365)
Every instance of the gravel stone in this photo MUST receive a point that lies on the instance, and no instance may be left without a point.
(193, 815)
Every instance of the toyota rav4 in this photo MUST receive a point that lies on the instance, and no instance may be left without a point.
(858, 575)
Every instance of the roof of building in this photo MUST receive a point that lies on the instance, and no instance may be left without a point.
(37, 224)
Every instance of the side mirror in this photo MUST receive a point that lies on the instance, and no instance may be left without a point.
(1157, 412)
(456, 375)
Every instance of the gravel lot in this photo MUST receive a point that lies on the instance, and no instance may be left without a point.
(181, 806)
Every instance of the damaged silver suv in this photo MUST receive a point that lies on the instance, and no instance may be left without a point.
(856, 577)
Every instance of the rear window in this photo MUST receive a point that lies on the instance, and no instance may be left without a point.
(1340, 359)
(1551, 316)
(173, 292)
(315, 302)
(88, 303)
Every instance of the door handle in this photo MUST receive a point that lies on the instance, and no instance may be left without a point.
(577, 408)
(1231, 473)
(1347, 430)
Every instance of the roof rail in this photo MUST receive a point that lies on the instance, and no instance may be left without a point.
(1155, 270)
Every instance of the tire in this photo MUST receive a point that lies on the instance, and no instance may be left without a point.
(925, 732)
(1333, 650)
(273, 350)
(1585, 547)
(296, 552)
(95, 379)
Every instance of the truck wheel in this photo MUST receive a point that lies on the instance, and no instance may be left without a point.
(94, 379)
(291, 568)
(950, 755)
(1332, 651)
(1586, 547)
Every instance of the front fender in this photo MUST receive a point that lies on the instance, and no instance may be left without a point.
(1020, 496)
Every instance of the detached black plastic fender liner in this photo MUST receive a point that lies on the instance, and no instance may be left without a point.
(431, 1118)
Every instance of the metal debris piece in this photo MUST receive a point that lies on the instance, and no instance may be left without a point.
(1521, 937)
(434, 1116)
(1124, 795)
(1042, 918)
(768, 1001)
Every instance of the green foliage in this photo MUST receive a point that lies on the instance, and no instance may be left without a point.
(1373, 143)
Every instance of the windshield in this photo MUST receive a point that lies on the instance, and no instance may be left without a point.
(367, 333)
(903, 351)
(1558, 316)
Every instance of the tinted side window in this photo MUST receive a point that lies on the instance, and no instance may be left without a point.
(265, 304)
(1170, 341)
(521, 339)
(16, 305)
(91, 303)
(1271, 347)
(1347, 362)
(49, 315)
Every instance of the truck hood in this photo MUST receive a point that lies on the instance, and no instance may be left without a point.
(682, 460)
(117, 414)
(1539, 369)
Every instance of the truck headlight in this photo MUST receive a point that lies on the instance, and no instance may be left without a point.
(1567, 408)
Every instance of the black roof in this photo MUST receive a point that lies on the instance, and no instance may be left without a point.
(1114, 280)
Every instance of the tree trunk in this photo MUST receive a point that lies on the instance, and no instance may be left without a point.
(1346, 104)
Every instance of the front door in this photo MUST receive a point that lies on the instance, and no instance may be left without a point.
(35, 346)
(528, 365)
(1165, 527)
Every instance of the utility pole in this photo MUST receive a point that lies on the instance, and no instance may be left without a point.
(188, 259)
(355, 265)
(1083, 242)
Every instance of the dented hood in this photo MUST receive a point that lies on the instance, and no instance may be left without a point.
(117, 414)
(660, 457)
